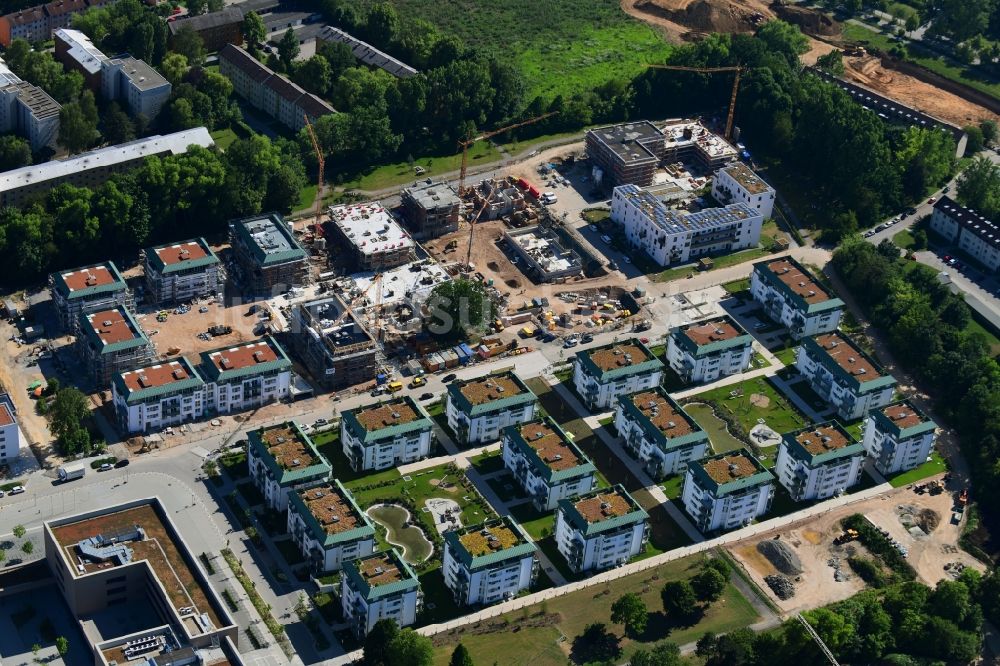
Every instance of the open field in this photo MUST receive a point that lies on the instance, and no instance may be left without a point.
(402, 173)
(755, 399)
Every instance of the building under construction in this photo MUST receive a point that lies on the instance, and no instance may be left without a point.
(431, 209)
(111, 342)
(373, 239)
(546, 257)
(626, 153)
(497, 198)
(690, 141)
(268, 257)
(336, 347)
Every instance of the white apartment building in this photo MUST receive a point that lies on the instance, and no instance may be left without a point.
(283, 459)
(386, 434)
(819, 461)
(601, 374)
(152, 398)
(27, 110)
(10, 433)
(328, 526)
(793, 298)
(726, 491)
(677, 237)
(737, 183)
(546, 463)
(898, 437)
(708, 350)
(245, 376)
(972, 232)
(600, 530)
(658, 433)
(478, 409)
(182, 271)
(488, 563)
(98, 287)
(843, 375)
(381, 586)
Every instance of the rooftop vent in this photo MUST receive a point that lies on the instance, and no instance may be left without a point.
(733, 467)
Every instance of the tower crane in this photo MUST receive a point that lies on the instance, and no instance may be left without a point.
(486, 135)
(321, 161)
(738, 69)
(376, 281)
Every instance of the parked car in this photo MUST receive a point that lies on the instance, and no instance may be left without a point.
(587, 337)
(606, 239)
(121, 463)
(449, 378)
(932, 200)
(570, 342)
(426, 396)
(946, 258)
(104, 468)
(628, 260)
(17, 490)
(319, 422)
(548, 337)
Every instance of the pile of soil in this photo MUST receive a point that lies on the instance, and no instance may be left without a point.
(701, 15)
(781, 556)
(811, 22)
(781, 586)
(928, 520)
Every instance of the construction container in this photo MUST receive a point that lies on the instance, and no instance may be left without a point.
(415, 368)
(463, 355)
(450, 358)
(433, 362)
(381, 378)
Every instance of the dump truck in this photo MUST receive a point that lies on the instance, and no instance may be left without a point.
(71, 472)
(848, 535)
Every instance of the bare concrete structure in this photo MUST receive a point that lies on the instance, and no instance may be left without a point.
(338, 354)
(85, 289)
(546, 257)
(269, 258)
(431, 208)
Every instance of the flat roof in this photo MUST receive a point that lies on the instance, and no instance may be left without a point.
(482, 390)
(334, 512)
(159, 376)
(431, 195)
(730, 467)
(489, 538)
(904, 415)
(387, 414)
(380, 569)
(713, 330)
(82, 49)
(848, 356)
(412, 282)
(747, 178)
(681, 221)
(113, 326)
(243, 356)
(823, 438)
(37, 100)
(98, 275)
(370, 228)
(269, 234)
(287, 446)
(693, 133)
(139, 73)
(629, 141)
(545, 248)
(798, 280)
(618, 355)
(604, 505)
(903, 420)
(550, 444)
(659, 411)
(821, 443)
(179, 256)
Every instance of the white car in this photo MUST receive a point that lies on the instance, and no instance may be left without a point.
(606, 239)
(549, 198)
(17, 490)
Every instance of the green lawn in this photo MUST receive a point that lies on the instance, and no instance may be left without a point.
(538, 524)
(224, 138)
(718, 432)
(904, 239)
(328, 443)
(736, 286)
(401, 173)
(673, 485)
(596, 215)
(935, 465)
(723, 261)
(779, 414)
(307, 197)
(991, 339)
(516, 146)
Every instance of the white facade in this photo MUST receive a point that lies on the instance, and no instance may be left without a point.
(482, 421)
(182, 271)
(601, 381)
(245, 393)
(10, 434)
(661, 437)
(161, 395)
(974, 233)
(365, 601)
(404, 436)
(330, 558)
(706, 351)
(898, 437)
(848, 381)
(737, 183)
(502, 576)
(818, 462)
(612, 539)
(677, 237)
(724, 506)
(555, 472)
(327, 545)
(792, 298)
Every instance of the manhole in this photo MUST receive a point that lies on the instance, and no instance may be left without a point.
(407, 478)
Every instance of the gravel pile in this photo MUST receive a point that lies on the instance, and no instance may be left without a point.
(781, 556)
(781, 586)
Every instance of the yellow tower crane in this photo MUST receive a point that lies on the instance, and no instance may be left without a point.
(738, 69)
(321, 161)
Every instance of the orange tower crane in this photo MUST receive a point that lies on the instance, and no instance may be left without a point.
(321, 161)
(738, 69)
(486, 135)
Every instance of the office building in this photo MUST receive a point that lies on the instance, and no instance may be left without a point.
(216, 29)
(546, 463)
(625, 154)
(658, 433)
(793, 298)
(111, 342)
(182, 271)
(737, 183)
(268, 257)
(386, 434)
(601, 529)
(154, 397)
(10, 432)
(898, 437)
(709, 350)
(381, 586)
(843, 375)
(601, 374)
(726, 491)
(488, 563)
(246, 376)
(818, 461)
(97, 287)
(328, 526)
(283, 460)
(431, 209)
(479, 408)
(333, 344)
(373, 239)
(972, 232)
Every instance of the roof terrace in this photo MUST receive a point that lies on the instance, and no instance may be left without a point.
(380, 569)
(482, 390)
(822, 439)
(713, 330)
(550, 444)
(288, 446)
(243, 356)
(904, 416)
(662, 414)
(489, 538)
(732, 467)
(604, 505)
(331, 509)
(798, 280)
(620, 355)
(113, 326)
(159, 375)
(747, 179)
(387, 414)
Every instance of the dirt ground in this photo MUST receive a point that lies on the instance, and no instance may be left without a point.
(812, 541)
(180, 331)
(687, 19)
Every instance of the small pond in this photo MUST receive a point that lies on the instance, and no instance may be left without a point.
(410, 539)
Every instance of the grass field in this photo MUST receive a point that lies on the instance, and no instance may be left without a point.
(401, 173)
(935, 465)
(779, 414)
(716, 428)
(904, 239)
(724, 261)
(224, 138)
(307, 197)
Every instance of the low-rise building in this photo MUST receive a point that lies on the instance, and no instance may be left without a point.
(601, 374)
(478, 409)
(625, 154)
(601, 529)
(818, 461)
(431, 209)
(898, 437)
(386, 434)
(973, 232)
(329, 526)
(337, 348)
(245, 376)
(793, 298)
(157, 396)
(373, 239)
(707, 350)
(267, 254)
(367, 53)
(658, 433)
(488, 563)
(216, 29)
(80, 290)
(737, 183)
(381, 586)
(843, 375)
(547, 257)
(676, 237)
(182, 271)
(111, 342)
(282, 460)
(727, 490)
(27, 110)
(10, 433)
(546, 463)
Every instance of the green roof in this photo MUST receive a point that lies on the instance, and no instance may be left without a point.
(117, 285)
(194, 380)
(573, 516)
(350, 421)
(293, 252)
(706, 482)
(798, 451)
(320, 468)
(885, 424)
(369, 592)
(153, 259)
(542, 468)
(213, 374)
(655, 434)
(762, 269)
(651, 363)
(817, 351)
(365, 530)
(139, 339)
(458, 550)
(525, 396)
(678, 334)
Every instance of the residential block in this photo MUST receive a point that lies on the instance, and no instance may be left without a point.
(488, 563)
(819, 461)
(334, 344)
(898, 437)
(97, 287)
(709, 350)
(328, 526)
(726, 491)
(386, 434)
(151, 398)
(793, 298)
(10, 433)
(478, 409)
(601, 374)
(546, 463)
(431, 208)
(973, 232)
(111, 342)
(737, 183)
(381, 586)
(282, 460)
(601, 529)
(658, 433)
(182, 271)
(373, 239)
(843, 375)
(245, 376)
(269, 259)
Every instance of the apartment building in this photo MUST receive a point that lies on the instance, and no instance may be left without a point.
(726, 491)
(153, 397)
(488, 563)
(373, 239)
(658, 433)
(431, 209)
(381, 586)
(283, 460)
(19, 187)
(737, 183)
(546, 463)
(328, 526)
(793, 298)
(97, 287)
(245, 376)
(601, 529)
(898, 437)
(843, 375)
(625, 154)
(479, 408)
(367, 53)
(216, 29)
(268, 257)
(111, 342)
(601, 374)
(10, 432)
(386, 434)
(27, 110)
(335, 345)
(819, 461)
(691, 142)
(677, 237)
(37, 24)
(182, 271)
(76, 51)
(972, 232)
(709, 350)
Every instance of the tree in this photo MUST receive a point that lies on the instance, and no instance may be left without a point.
(709, 585)
(382, 24)
(457, 307)
(196, 7)
(975, 140)
(28, 547)
(832, 62)
(314, 75)
(62, 645)
(15, 152)
(461, 657)
(254, 30)
(377, 643)
(961, 19)
(68, 413)
(19, 531)
(174, 67)
(595, 645)
(680, 603)
(630, 611)
(989, 130)
(912, 22)
(662, 654)
(408, 648)
(116, 125)
(784, 38)
(77, 131)
(189, 44)
(288, 49)
(919, 239)
(979, 186)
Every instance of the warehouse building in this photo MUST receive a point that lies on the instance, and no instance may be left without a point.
(601, 529)
(381, 586)
(386, 434)
(793, 298)
(97, 287)
(489, 563)
(819, 461)
(373, 239)
(898, 437)
(267, 254)
(431, 209)
(726, 491)
(328, 526)
(708, 350)
(659, 433)
(154, 397)
(282, 460)
(843, 375)
(111, 342)
(546, 463)
(182, 271)
(337, 348)
(479, 408)
(601, 374)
